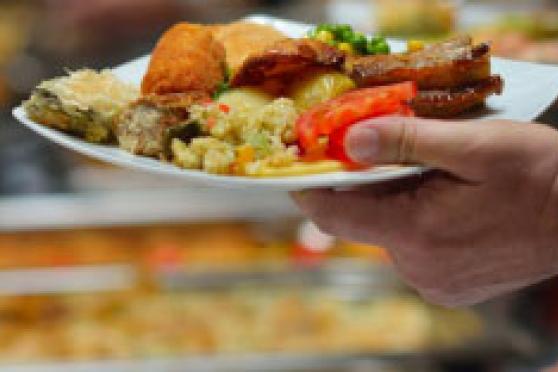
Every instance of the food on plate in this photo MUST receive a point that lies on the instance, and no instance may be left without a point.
(243, 99)
(453, 76)
(84, 103)
(286, 59)
(349, 41)
(242, 39)
(319, 86)
(449, 64)
(452, 102)
(331, 119)
(240, 139)
(146, 126)
(186, 58)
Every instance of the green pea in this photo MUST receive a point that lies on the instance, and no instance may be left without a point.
(343, 31)
(370, 48)
(346, 36)
(312, 33)
(359, 42)
(377, 40)
(324, 27)
(382, 48)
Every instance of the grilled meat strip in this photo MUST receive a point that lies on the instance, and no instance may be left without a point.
(452, 102)
(450, 64)
(285, 59)
(142, 127)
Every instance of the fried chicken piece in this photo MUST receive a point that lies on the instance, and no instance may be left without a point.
(143, 128)
(186, 58)
(242, 39)
(453, 102)
(450, 64)
(285, 59)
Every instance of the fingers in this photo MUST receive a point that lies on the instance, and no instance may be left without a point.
(464, 149)
(365, 215)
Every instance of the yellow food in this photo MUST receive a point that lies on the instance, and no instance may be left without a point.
(325, 36)
(415, 46)
(295, 169)
(268, 128)
(319, 87)
(347, 48)
(245, 98)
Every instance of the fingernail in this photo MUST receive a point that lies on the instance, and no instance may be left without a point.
(363, 144)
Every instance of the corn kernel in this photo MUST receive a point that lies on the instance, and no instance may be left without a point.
(325, 36)
(347, 48)
(245, 154)
(415, 45)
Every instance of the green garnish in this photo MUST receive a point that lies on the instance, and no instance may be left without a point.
(222, 88)
(224, 85)
(339, 35)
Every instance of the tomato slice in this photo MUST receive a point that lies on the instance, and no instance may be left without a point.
(334, 117)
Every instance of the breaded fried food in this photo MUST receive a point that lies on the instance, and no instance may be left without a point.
(242, 39)
(85, 103)
(452, 63)
(147, 125)
(285, 59)
(186, 58)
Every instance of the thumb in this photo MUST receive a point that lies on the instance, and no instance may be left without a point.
(455, 147)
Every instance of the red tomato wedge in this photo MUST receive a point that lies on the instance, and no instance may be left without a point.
(333, 118)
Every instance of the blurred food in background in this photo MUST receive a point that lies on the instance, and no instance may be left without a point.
(524, 36)
(415, 18)
(237, 321)
(170, 313)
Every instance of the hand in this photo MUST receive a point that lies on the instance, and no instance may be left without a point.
(484, 223)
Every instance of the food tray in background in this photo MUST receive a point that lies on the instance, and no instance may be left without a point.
(351, 282)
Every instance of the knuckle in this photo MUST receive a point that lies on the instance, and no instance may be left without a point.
(441, 297)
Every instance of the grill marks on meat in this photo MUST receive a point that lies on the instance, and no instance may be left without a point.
(286, 59)
(142, 126)
(452, 102)
(450, 64)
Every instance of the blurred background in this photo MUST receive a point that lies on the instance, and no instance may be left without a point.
(102, 268)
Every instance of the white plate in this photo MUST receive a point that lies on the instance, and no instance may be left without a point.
(530, 90)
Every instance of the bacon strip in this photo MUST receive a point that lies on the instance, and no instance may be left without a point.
(449, 64)
(453, 102)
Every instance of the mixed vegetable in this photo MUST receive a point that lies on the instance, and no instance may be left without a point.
(345, 38)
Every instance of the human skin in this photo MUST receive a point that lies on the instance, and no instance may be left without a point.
(483, 223)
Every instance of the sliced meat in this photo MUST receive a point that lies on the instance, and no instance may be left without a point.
(186, 58)
(285, 59)
(142, 126)
(450, 64)
(453, 102)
